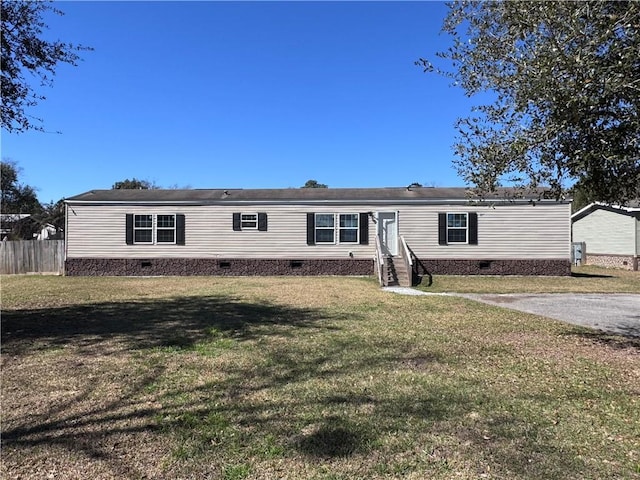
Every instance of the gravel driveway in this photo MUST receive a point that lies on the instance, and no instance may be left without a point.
(612, 312)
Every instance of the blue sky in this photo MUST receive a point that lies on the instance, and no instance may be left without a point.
(244, 95)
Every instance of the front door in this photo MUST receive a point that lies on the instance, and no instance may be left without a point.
(388, 232)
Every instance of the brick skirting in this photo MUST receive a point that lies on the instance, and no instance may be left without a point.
(550, 267)
(302, 267)
(220, 267)
(626, 262)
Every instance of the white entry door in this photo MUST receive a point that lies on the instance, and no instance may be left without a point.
(388, 232)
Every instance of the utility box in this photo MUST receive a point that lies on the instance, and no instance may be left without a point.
(578, 250)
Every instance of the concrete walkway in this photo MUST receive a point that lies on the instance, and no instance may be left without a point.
(412, 291)
(617, 313)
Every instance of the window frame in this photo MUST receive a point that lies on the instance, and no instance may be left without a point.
(464, 229)
(154, 228)
(165, 229)
(349, 228)
(145, 228)
(336, 228)
(246, 224)
(332, 229)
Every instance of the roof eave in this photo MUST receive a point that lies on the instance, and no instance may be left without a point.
(421, 201)
(593, 206)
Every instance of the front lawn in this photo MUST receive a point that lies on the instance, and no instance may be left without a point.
(314, 378)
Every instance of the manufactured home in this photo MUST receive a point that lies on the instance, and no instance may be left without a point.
(610, 235)
(399, 234)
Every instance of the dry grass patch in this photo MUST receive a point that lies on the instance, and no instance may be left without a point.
(586, 279)
(237, 378)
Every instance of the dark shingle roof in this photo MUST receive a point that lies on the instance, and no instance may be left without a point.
(302, 195)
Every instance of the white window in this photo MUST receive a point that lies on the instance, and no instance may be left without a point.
(348, 228)
(331, 226)
(457, 227)
(325, 228)
(249, 221)
(143, 228)
(154, 229)
(166, 229)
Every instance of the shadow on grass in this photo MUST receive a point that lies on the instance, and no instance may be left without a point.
(334, 437)
(590, 275)
(86, 424)
(178, 322)
(627, 338)
(86, 428)
(289, 400)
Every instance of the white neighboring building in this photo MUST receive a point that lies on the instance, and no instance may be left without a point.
(611, 234)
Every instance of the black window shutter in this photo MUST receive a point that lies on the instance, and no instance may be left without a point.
(473, 228)
(236, 221)
(129, 227)
(180, 236)
(262, 221)
(442, 228)
(311, 228)
(364, 229)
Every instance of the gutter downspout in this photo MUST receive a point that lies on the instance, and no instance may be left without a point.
(637, 242)
(66, 238)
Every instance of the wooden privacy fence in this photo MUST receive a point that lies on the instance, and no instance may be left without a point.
(32, 256)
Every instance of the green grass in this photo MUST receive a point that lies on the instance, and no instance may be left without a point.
(318, 378)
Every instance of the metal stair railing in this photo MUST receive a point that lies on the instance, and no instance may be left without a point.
(408, 260)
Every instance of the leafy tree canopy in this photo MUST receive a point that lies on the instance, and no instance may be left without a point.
(25, 55)
(565, 79)
(134, 184)
(314, 184)
(16, 197)
(54, 214)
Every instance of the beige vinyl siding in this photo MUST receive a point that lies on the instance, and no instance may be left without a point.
(606, 232)
(99, 232)
(504, 231)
